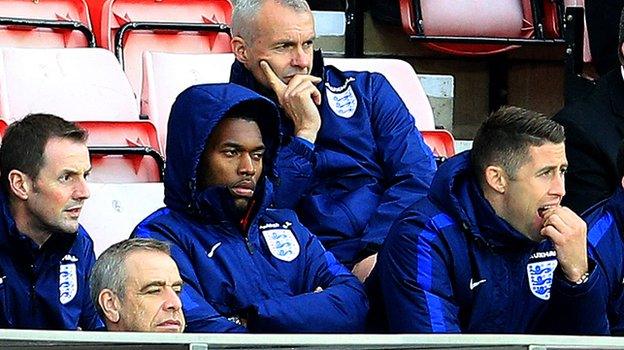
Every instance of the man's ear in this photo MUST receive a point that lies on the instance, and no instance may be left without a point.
(495, 178)
(20, 184)
(109, 302)
(239, 48)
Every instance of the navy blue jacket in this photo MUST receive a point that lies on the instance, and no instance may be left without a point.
(604, 232)
(47, 287)
(266, 272)
(451, 265)
(369, 161)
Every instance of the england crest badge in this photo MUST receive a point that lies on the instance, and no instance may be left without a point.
(282, 243)
(68, 282)
(540, 276)
(342, 99)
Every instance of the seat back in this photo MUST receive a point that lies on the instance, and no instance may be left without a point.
(403, 79)
(441, 142)
(117, 13)
(470, 19)
(76, 84)
(110, 144)
(31, 35)
(113, 210)
(166, 75)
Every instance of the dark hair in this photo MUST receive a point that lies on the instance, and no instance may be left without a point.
(24, 143)
(505, 137)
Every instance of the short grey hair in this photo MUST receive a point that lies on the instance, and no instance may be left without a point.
(109, 271)
(246, 11)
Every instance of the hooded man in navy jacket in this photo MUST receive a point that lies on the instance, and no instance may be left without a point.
(352, 158)
(45, 255)
(245, 265)
(491, 250)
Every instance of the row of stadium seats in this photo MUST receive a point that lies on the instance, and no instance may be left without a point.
(88, 85)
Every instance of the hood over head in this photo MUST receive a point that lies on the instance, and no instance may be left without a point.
(194, 115)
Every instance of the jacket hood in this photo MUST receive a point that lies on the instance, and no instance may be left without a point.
(456, 190)
(194, 115)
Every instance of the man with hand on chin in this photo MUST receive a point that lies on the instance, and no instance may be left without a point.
(491, 250)
(351, 158)
(246, 266)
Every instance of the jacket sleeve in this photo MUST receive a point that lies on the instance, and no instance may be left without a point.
(578, 309)
(340, 307)
(201, 317)
(407, 162)
(89, 318)
(416, 290)
(294, 169)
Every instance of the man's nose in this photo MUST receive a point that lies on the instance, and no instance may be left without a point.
(172, 300)
(246, 165)
(81, 191)
(300, 58)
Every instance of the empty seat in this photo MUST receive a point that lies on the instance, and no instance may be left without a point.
(166, 75)
(76, 84)
(479, 27)
(441, 142)
(124, 152)
(113, 210)
(49, 23)
(130, 27)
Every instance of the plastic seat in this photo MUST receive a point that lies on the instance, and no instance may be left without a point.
(166, 75)
(76, 84)
(124, 152)
(480, 27)
(113, 210)
(441, 142)
(49, 23)
(130, 27)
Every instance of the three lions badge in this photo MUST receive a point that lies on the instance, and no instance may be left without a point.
(540, 276)
(341, 99)
(281, 241)
(68, 282)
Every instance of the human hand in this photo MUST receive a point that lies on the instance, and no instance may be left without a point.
(299, 99)
(568, 232)
(363, 269)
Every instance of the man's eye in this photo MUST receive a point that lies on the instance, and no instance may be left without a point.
(152, 291)
(257, 156)
(229, 153)
(65, 178)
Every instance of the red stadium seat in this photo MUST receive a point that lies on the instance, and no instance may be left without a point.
(441, 142)
(95, 13)
(49, 23)
(166, 75)
(76, 84)
(479, 27)
(130, 27)
(124, 152)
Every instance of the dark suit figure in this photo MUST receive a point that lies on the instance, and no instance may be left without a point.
(594, 130)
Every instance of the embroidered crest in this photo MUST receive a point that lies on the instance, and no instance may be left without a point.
(540, 276)
(342, 99)
(68, 283)
(282, 243)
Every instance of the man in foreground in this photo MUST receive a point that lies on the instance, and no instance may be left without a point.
(491, 250)
(135, 285)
